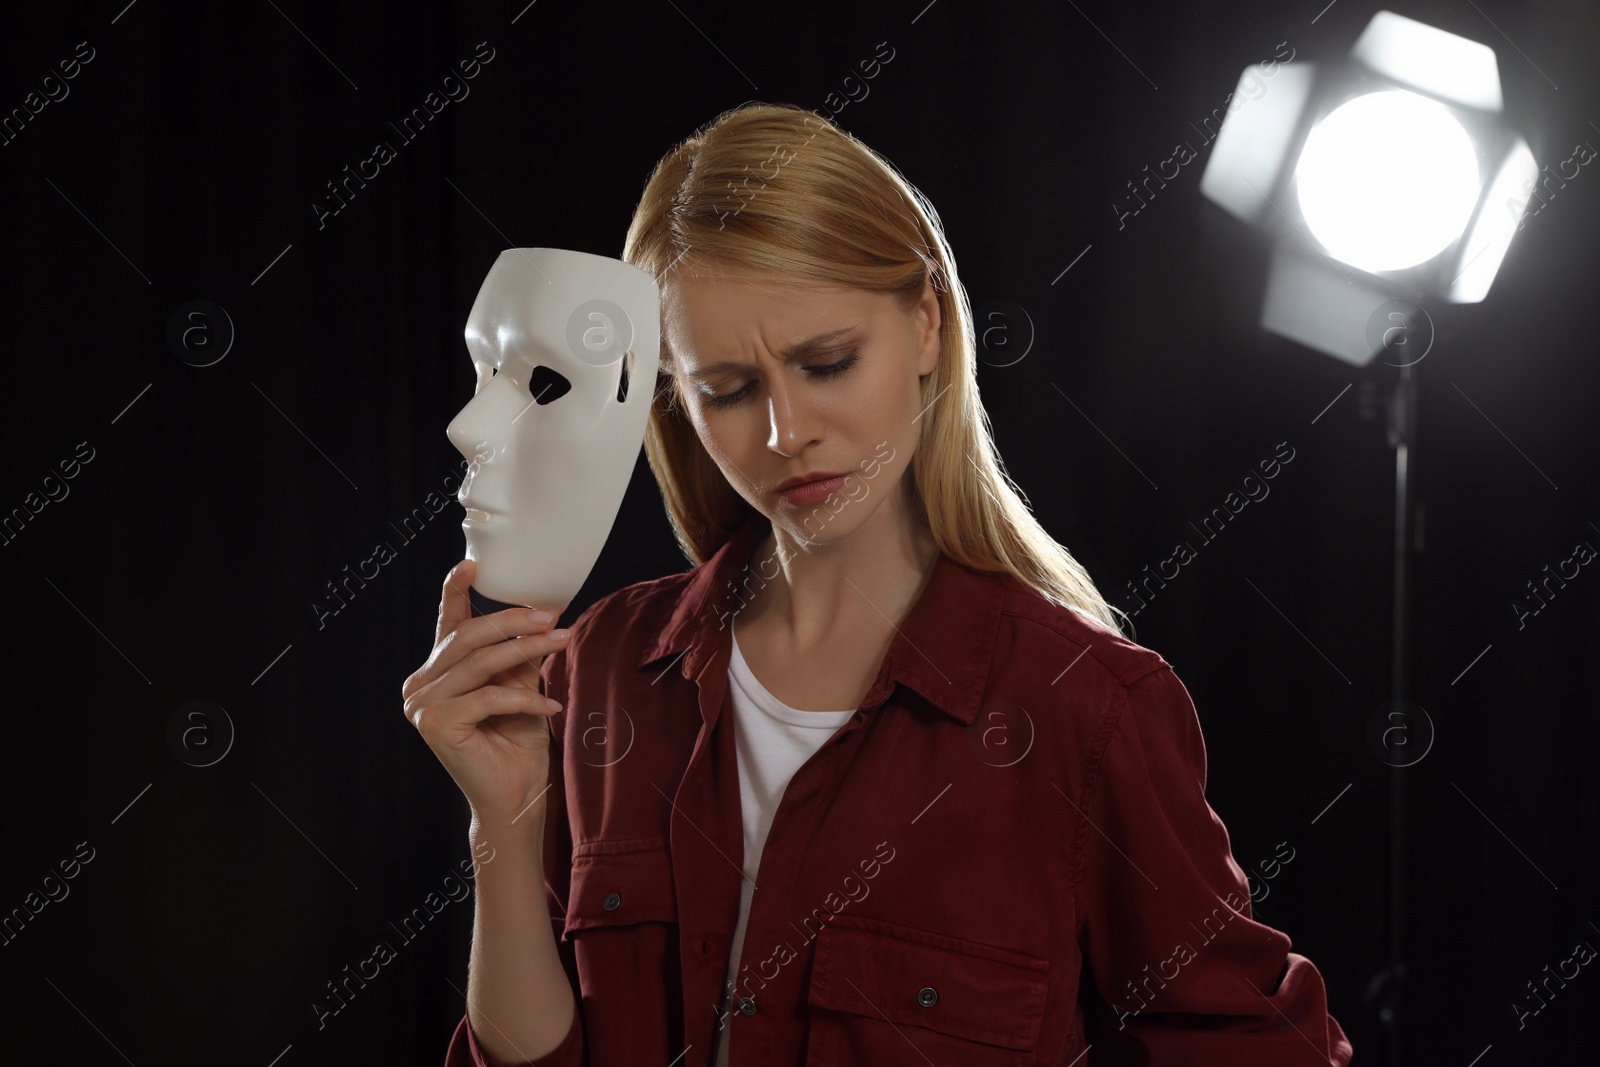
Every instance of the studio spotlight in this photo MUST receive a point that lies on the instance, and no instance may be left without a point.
(1388, 177)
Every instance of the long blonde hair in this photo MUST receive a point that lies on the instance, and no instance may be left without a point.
(775, 190)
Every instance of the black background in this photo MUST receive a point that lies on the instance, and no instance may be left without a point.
(185, 562)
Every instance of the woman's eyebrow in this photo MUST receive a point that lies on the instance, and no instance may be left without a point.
(798, 350)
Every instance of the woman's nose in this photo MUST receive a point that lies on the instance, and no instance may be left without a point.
(792, 420)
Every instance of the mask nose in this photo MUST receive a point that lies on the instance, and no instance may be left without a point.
(488, 424)
(468, 431)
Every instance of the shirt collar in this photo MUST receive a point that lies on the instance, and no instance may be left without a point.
(942, 649)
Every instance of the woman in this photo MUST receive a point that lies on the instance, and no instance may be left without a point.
(879, 780)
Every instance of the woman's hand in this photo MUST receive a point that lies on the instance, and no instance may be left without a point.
(478, 705)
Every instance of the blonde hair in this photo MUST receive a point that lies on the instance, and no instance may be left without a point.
(778, 191)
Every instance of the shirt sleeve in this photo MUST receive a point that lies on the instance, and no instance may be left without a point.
(1176, 970)
(464, 1050)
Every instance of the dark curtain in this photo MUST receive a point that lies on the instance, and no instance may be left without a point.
(176, 528)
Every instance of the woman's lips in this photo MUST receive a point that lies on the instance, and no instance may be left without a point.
(813, 492)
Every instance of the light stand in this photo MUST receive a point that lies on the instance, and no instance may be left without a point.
(1385, 989)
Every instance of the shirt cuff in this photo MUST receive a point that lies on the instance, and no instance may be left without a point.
(465, 1051)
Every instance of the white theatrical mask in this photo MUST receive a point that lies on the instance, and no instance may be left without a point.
(553, 336)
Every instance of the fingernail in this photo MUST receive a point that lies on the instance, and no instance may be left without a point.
(555, 705)
(559, 635)
(539, 616)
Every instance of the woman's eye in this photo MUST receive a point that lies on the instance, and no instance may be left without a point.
(729, 400)
(823, 370)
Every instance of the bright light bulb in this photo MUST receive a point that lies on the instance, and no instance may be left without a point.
(1387, 180)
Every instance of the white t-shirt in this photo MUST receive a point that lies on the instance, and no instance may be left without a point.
(772, 740)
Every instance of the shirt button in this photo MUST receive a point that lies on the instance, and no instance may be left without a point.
(747, 1005)
(927, 996)
(611, 901)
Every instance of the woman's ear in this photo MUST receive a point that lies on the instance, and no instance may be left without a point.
(928, 322)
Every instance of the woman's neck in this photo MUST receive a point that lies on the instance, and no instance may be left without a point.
(859, 584)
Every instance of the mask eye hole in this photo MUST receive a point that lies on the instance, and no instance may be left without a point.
(547, 384)
(622, 383)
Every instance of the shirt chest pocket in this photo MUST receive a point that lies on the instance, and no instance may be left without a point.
(886, 994)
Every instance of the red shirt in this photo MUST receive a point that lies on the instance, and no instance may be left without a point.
(1004, 858)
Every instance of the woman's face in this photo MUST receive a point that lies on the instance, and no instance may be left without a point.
(783, 380)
